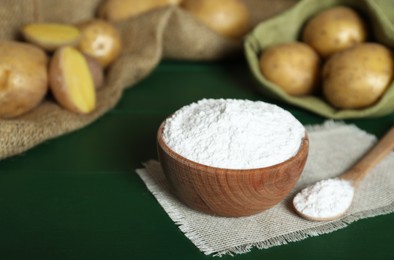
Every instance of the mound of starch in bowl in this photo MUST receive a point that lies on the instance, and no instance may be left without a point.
(234, 134)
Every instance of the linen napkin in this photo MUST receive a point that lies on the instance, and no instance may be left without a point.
(334, 147)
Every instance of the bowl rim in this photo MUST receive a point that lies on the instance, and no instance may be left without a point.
(304, 147)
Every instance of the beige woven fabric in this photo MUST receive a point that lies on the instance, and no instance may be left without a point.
(334, 147)
(162, 33)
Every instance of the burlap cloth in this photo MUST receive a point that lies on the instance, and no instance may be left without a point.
(163, 33)
(334, 147)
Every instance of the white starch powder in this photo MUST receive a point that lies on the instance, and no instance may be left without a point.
(234, 134)
(325, 199)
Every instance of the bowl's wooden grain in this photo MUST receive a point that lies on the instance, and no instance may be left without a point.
(229, 192)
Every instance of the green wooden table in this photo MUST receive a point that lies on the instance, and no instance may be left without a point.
(78, 197)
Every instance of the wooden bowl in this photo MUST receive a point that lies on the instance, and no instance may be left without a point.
(229, 192)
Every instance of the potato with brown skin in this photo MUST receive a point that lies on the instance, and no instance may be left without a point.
(51, 36)
(334, 29)
(229, 18)
(357, 77)
(100, 40)
(96, 70)
(172, 2)
(117, 10)
(71, 81)
(294, 67)
(23, 78)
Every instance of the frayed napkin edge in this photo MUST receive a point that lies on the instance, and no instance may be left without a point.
(306, 233)
(173, 212)
(300, 235)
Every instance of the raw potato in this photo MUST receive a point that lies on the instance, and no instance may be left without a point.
(172, 2)
(229, 18)
(334, 29)
(71, 81)
(294, 67)
(96, 70)
(358, 77)
(23, 78)
(51, 36)
(100, 40)
(117, 10)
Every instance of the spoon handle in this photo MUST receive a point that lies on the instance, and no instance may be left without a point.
(373, 157)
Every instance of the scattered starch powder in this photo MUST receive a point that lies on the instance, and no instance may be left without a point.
(234, 134)
(325, 199)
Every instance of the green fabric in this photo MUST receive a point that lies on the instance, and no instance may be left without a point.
(286, 27)
(387, 6)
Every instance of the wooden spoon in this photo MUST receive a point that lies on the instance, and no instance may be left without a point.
(354, 176)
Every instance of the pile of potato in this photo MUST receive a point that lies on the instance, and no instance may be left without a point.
(69, 60)
(66, 60)
(229, 18)
(334, 58)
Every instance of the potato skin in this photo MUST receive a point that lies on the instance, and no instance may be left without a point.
(334, 29)
(117, 10)
(100, 40)
(357, 77)
(23, 78)
(59, 73)
(57, 82)
(230, 18)
(96, 70)
(294, 67)
(172, 2)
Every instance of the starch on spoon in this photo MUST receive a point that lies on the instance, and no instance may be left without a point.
(325, 199)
